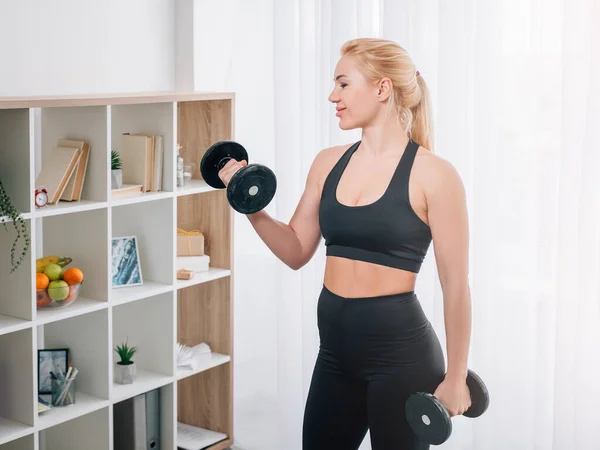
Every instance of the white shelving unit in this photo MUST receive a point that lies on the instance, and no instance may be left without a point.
(154, 316)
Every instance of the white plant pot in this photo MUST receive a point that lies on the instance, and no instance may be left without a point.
(125, 373)
(116, 178)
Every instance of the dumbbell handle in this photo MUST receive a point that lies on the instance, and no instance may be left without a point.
(223, 161)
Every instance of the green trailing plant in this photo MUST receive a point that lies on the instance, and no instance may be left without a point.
(115, 160)
(125, 352)
(8, 213)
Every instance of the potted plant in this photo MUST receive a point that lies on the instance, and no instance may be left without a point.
(125, 369)
(9, 213)
(116, 170)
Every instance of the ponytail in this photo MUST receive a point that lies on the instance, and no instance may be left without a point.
(421, 130)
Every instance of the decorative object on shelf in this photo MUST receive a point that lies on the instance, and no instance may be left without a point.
(74, 186)
(193, 263)
(63, 388)
(179, 165)
(41, 197)
(43, 405)
(56, 287)
(190, 242)
(185, 274)
(188, 171)
(7, 210)
(190, 357)
(116, 170)
(125, 369)
(59, 174)
(41, 263)
(142, 156)
(126, 269)
(51, 361)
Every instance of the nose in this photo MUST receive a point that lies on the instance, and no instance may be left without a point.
(333, 97)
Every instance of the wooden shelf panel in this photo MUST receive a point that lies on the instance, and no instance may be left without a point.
(52, 101)
(201, 400)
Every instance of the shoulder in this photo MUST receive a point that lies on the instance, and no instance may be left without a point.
(436, 175)
(326, 159)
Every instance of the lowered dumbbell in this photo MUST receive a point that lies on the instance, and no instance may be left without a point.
(430, 420)
(250, 189)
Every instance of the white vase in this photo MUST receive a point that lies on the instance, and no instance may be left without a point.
(125, 373)
(116, 178)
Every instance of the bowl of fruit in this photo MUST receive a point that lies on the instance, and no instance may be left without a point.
(56, 285)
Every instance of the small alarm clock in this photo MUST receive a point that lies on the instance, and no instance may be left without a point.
(41, 197)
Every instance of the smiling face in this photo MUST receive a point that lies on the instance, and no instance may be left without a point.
(358, 100)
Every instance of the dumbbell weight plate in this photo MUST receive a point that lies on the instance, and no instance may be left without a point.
(428, 418)
(480, 398)
(251, 189)
(215, 158)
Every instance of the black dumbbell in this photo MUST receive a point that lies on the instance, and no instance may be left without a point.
(250, 189)
(430, 420)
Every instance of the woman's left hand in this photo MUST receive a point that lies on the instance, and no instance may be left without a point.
(454, 395)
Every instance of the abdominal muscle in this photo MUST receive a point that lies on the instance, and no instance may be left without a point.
(351, 278)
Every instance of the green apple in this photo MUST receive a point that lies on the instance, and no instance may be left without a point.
(58, 290)
(54, 271)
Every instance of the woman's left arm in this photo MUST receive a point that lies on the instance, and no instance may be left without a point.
(449, 223)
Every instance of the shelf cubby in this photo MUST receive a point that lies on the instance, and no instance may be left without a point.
(15, 156)
(200, 309)
(153, 338)
(17, 378)
(89, 431)
(155, 315)
(85, 123)
(81, 236)
(164, 434)
(149, 119)
(89, 353)
(152, 225)
(23, 443)
(16, 308)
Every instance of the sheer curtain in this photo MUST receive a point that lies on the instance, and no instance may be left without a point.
(516, 93)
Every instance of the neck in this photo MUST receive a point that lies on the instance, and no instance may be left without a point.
(383, 138)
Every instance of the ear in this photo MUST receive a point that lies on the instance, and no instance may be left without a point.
(384, 89)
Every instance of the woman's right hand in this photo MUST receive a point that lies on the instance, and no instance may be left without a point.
(229, 169)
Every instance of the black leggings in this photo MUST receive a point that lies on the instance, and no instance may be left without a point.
(374, 353)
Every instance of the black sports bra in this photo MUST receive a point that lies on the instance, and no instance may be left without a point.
(387, 232)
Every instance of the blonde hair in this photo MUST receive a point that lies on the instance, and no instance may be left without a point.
(410, 100)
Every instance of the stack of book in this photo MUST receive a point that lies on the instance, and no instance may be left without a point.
(142, 161)
(63, 170)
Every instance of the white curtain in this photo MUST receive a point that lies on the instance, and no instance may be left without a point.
(516, 94)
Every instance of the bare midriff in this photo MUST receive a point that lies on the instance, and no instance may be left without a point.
(351, 278)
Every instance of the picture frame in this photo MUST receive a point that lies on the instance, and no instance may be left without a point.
(55, 360)
(126, 268)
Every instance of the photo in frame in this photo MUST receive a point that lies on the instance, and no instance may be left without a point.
(126, 269)
(54, 360)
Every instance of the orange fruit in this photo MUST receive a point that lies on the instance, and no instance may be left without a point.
(72, 276)
(41, 280)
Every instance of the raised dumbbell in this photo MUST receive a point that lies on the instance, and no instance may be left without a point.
(250, 189)
(430, 420)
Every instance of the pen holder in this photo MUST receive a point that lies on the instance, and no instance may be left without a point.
(63, 392)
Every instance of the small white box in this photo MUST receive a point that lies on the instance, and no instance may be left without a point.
(193, 263)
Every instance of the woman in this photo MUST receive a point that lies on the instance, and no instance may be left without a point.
(378, 203)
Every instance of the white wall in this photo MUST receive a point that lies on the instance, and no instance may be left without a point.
(85, 46)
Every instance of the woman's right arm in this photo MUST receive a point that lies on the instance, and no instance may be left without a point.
(294, 243)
